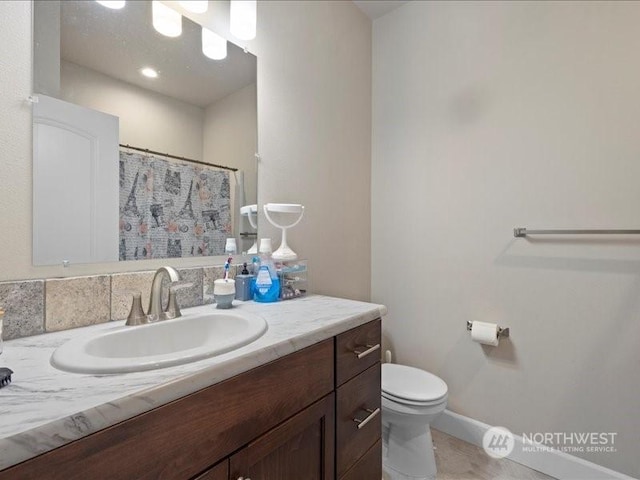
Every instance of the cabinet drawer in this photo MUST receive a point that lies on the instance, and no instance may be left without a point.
(369, 466)
(358, 418)
(356, 350)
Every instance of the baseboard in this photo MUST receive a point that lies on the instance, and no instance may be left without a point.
(553, 463)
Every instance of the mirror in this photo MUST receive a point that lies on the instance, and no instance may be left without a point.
(130, 167)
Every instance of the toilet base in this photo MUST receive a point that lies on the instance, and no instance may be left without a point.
(388, 474)
(407, 452)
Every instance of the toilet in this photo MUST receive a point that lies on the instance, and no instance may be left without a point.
(411, 400)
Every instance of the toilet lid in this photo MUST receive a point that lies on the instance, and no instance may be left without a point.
(404, 401)
(413, 384)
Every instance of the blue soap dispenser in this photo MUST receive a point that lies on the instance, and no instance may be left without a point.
(267, 283)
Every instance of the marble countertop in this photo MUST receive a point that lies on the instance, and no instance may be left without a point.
(44, 408)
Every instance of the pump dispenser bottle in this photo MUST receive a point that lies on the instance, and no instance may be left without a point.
(267, 283)
(243, 284)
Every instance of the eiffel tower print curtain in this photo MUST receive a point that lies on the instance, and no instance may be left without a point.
(169, 209)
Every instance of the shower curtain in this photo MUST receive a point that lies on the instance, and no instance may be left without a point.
(171, 209)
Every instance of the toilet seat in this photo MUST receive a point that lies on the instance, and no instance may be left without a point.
(412, 386)
(413, 403)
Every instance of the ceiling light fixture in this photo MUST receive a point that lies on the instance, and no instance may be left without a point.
(166, 21)
(195, 6)
(213, 45)
(242, 19)
(149, 72)
(114, 4)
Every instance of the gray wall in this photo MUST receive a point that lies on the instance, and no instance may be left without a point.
(489, 116)
(46, 51)
(314, 118)
(314, 129)
(147, 118)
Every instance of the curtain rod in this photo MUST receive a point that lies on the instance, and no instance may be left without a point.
(184, 159)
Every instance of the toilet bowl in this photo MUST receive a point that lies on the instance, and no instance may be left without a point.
(411, 400)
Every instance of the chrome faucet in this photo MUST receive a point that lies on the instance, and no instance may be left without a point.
(156, 312)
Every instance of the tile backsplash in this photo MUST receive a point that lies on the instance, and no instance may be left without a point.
(33, 307)
(123, 286)
(76, 302)
(23, 303)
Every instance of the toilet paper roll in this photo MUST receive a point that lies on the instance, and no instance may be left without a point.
(485, 333)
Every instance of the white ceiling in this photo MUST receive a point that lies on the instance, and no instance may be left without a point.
(377, 8)
(119, 43)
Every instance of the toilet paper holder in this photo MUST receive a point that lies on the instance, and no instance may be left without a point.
(502, 332)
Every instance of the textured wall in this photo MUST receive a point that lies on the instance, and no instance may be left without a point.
(314, 119)
(147, 119)
(495, 115)
(229, 132)
(314, 132)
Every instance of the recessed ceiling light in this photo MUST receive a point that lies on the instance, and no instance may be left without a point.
(149, 72)
(114, 4)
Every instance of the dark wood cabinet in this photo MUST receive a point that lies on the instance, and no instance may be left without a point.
(279, 421)
(300, 448)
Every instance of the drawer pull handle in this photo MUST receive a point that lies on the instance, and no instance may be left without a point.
(369, 349)
(371, 416)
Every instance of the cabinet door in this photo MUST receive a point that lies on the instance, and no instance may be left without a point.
(369, 467)
(300, 448)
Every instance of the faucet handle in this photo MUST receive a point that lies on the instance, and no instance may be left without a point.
(137, 315)
(173, 309)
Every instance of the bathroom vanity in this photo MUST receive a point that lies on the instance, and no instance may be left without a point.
(312, 413)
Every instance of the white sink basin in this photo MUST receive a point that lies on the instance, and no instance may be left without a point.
(157, 345)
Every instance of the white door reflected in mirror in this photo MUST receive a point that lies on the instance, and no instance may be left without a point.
(75, 184)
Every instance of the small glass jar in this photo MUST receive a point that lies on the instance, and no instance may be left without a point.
(230, 247)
